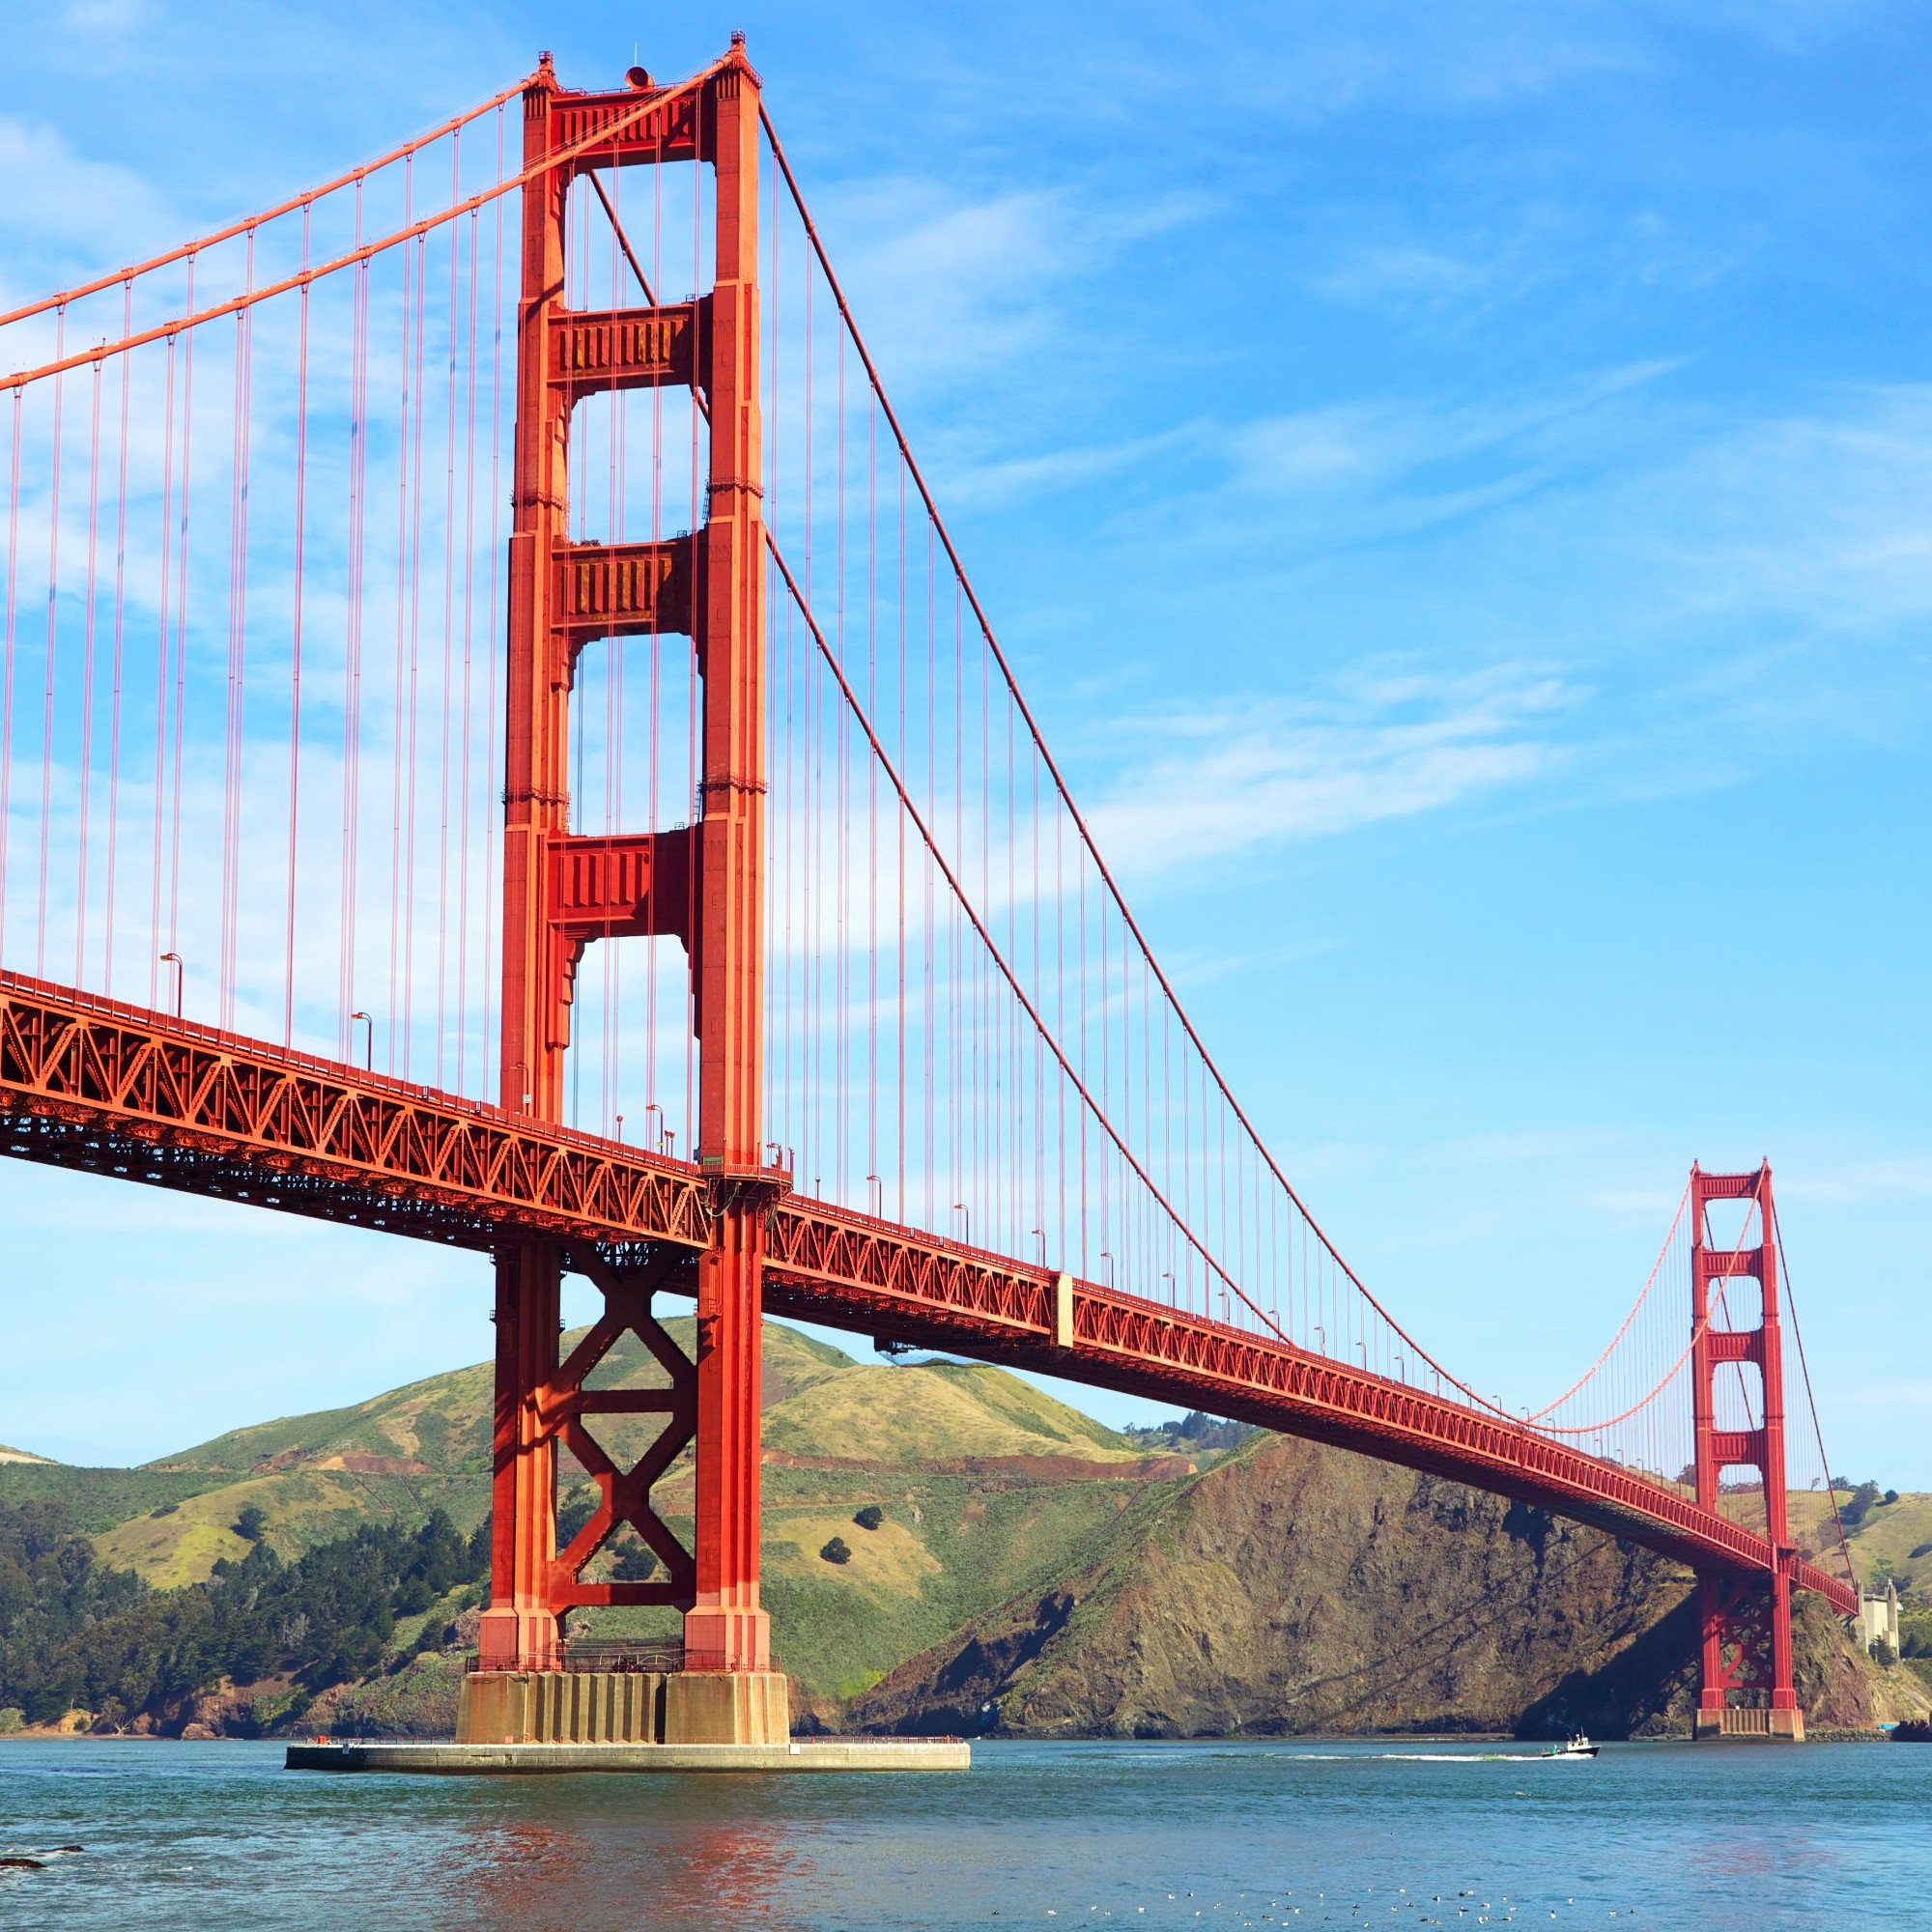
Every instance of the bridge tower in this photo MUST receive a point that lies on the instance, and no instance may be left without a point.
(1744, 1619)
(703, 885)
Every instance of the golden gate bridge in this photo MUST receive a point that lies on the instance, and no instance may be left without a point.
(374, 567)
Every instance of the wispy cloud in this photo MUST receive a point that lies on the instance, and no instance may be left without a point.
(1212, 783)
(55, 196)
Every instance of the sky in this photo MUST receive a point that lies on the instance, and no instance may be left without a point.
(1458, 486)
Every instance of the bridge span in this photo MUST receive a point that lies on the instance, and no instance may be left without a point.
(698, 792)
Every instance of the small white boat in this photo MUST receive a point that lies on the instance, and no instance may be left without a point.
(1576, 1745)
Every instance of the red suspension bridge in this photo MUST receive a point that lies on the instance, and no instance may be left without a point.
(372, 567)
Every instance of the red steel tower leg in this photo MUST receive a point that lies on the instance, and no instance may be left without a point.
(1745, 1621)
(520, 1627)
(703, 886)
(726, 1630)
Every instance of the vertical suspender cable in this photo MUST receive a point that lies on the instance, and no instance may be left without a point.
(160, 682)
(415, 436)
(352, 655)
(7, 670)
(397, 716)
(448, 624)
(86, 771)
(495, 578)
(120, 619)
(295, 650)
(47, 711)
(181, 627)
(465, 779)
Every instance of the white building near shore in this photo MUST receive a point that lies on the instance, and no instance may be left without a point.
(1878, 1617)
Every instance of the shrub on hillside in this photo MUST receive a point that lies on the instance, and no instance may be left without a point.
(1860, 1506)
(871, 1516)
(837, 1550)
(250, 1524)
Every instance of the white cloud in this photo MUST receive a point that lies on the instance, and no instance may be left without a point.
(1213, 782)
(55, 194)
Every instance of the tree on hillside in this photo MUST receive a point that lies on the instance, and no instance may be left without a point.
(1864, 1497)
(74, 1637)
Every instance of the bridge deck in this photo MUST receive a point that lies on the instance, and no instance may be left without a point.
(115, 1089)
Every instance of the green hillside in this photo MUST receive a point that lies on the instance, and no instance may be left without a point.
(1896, 1539)
(1025, 1561)
(984, 1482)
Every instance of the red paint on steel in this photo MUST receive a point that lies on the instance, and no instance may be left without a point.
(827, 1264)
(1761, 1448)
(703, 886)
(100, 1085)
(105, 1086)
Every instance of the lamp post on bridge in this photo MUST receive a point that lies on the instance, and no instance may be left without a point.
(369, 1040)
(181, 975)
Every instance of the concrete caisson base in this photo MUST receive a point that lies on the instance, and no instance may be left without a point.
(727, 1707)
(1761, 1727)
(850, 1754)
(603, 1707)
(578, 1707)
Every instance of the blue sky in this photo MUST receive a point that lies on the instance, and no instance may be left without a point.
(1458, 488)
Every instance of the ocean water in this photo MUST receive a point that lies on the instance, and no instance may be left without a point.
(211, 1836)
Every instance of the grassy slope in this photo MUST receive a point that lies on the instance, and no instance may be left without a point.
(993, 1495)
(101, 1499)
(1896, 1531)
(986, 1483)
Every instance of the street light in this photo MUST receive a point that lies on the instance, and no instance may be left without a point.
(181, 973)
(1040, 1234)
(1109, 1259)
(879, 1209)
(961, 1207)
(1322, 1333)
(369, 1040)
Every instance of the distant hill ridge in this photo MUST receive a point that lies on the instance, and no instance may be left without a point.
(1030, 1569)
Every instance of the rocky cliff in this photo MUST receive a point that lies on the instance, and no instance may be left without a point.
(1295, 1589)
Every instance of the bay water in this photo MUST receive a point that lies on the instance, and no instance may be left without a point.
(1219, 1836)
